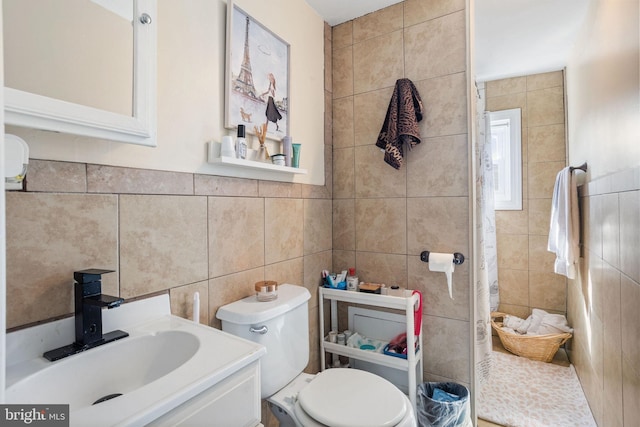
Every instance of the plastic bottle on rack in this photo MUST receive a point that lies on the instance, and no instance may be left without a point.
(352, 280)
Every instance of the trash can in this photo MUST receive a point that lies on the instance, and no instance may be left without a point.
(443, 404)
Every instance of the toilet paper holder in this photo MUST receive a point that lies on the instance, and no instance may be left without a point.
(458, 258)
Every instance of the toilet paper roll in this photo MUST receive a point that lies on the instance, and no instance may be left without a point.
(443, 263)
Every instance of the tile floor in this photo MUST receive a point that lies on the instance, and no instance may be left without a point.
(559, 359)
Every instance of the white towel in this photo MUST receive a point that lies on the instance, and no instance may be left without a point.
(564, 230)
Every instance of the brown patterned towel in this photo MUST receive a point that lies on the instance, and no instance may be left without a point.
(401, 123)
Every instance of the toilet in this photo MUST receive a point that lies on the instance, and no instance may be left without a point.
(335, 397)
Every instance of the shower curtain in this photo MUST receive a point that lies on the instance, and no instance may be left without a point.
(487, 297)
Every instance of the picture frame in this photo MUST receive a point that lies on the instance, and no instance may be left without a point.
(256, 76)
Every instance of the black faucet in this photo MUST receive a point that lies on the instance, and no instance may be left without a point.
(89, 302)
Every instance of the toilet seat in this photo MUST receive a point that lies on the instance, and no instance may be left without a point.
(351, 398)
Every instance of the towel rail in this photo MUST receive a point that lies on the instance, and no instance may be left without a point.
(582, 167)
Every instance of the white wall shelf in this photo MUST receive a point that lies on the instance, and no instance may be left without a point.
(215, 158)
(412, 365)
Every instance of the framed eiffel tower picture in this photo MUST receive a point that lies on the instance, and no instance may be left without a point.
(257, 76)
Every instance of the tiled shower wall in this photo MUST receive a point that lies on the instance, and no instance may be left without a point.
(382, 217)
(525, 267)
(603, 302)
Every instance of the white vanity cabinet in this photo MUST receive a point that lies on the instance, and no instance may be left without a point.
(412, 365)
(235, 401)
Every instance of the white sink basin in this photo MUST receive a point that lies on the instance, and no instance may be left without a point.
(118, 368)
(163, 363)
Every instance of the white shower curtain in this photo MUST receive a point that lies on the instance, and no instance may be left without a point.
(487, 298)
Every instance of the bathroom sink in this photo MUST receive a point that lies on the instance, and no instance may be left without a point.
(114, 370)
(163, 363)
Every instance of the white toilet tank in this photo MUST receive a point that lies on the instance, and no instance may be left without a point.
(281, 325)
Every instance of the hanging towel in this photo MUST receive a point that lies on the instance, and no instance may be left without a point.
(564, 230)
(401, 122)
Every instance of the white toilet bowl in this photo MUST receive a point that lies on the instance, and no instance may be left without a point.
(343, 398)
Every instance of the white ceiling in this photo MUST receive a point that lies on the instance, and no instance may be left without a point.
(512, 37)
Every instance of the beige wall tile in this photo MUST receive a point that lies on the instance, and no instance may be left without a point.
(279, 189)
(342, 35)
(546, 143)
(453, 335)
(507, 102)
(631, 391)
(317, 226)
(381, 225)
(374, 177)
(370, 110)
(630, 320)
(227, 289)
(514, 286)
(438, 224)
(513, 251)
(328, 118)
(542, 179)
(343, 173)
(284, 229)
(630, 234)
(547, 291)
(163, 242)
(506, 86)
(212, 185)
(377, 62)
(435, 292)
(344, 224)
(545, 80)
(446, 110)
(539, 216)
(66, 177)
(290, 271)
(48, 237)
(342, 77)
(313, 266)
(545, 106)
(390, 269)
(342, 260)
(328, 59)
(377, 23)
(343, 122)
(612, 348)
(236, 234)
(416, 11)
(611, 229)
(513, 222)
(111, 179)
(438, 167)
(540, 259)
(436, 47)
(182, 301)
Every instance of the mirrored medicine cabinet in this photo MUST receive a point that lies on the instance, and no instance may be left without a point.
(84, 67)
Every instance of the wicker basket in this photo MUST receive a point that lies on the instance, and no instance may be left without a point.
(534, 347)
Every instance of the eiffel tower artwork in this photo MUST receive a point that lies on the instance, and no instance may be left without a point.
(257, 83)
(244, 82)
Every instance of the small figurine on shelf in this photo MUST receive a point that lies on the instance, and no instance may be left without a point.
(261, 133)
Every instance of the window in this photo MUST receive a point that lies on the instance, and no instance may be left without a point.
(507, 159)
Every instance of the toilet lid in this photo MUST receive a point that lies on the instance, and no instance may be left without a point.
(352, 398)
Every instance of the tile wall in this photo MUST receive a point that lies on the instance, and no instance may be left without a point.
(525, 267)
(603, 302)
(382, 217)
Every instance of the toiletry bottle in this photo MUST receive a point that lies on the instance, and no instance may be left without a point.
(286, 150)
(352, 280)
(241, 143)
